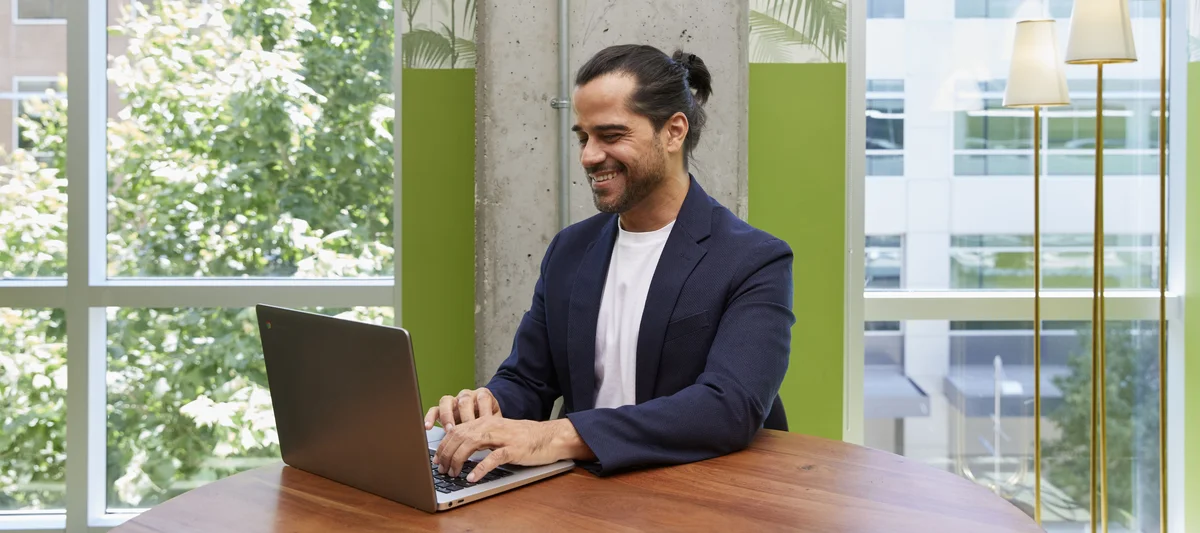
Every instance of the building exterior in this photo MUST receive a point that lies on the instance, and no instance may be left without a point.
(33, 56)
(949, 207)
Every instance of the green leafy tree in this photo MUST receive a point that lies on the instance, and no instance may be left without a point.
(255, 139)
(1132, 420)
(33, 351)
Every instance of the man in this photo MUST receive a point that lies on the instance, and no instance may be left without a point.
(664, 322)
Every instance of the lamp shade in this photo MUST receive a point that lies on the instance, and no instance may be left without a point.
(1035, 75)
(1101, 33)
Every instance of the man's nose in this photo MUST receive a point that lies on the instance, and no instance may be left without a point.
(591, 155)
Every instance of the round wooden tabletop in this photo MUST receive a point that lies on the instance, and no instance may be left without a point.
(783, 481)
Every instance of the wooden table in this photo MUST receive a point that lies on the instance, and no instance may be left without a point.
(783, 481)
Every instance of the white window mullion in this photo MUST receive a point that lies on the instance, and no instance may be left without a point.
(1178, 55)
(1013, 305)
(398, 181)
(855, 236)
(87, 94)
(33, 294)
(234, 293)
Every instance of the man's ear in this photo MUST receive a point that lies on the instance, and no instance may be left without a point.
(675, 131)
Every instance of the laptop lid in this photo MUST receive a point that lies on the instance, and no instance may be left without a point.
(346, 403)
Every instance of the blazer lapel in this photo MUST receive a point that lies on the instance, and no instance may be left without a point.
(680, 256)
(583, 313)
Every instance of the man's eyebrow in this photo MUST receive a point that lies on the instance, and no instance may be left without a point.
(604, 127)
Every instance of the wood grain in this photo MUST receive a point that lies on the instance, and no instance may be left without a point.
(783, 481)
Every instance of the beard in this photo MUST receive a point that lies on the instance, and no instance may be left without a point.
(638, 180)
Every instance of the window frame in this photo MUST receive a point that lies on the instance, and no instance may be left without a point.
(87, 292)
(19, 21)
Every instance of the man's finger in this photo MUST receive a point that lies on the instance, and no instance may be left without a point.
(467, 446)
(487, 404)
(445, 451)
(446, 412)
(430, 418)
(466, 406)
(489, 463)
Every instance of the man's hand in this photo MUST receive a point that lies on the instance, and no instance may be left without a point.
(467, 406)
(520, 442)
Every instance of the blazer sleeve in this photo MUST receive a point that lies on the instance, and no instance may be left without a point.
(526, 385)
(731, 398)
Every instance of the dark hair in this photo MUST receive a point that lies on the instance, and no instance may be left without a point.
(665, 85)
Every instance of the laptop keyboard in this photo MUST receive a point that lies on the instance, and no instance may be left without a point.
(446, 484)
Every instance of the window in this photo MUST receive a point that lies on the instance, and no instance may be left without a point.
(1006, 261)
(286, 180)
(884, 260)
(173, 427)
(885, 9)
(32, 99)
(948, 344)
(885, 127)
(40, 11)
(998, 141)
(33, 409)
(890, 395)
(222, 186)
(33, 191)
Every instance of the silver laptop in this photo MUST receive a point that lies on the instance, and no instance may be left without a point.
(347, 408)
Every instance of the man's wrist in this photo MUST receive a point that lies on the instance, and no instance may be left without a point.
(567, 443)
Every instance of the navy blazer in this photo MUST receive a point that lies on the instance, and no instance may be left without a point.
(711, 353)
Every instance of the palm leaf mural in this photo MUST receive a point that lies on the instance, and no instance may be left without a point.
(440, 35)
(772, 38)
(817, 23)
(466, 53)
(410, 10)
(426, 49)
(468, 19)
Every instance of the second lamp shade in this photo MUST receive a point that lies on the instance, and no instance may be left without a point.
(1101, 32)
(1035, 76)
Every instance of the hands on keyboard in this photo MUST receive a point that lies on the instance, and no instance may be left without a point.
(446, 484)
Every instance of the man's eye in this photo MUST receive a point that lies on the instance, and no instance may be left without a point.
(582, 141)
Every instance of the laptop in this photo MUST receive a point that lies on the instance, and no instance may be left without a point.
(347, 408)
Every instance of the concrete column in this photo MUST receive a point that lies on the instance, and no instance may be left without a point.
(516, 166)
(516, 131)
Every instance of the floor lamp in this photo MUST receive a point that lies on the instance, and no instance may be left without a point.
(1101, 33)
(1036, 79)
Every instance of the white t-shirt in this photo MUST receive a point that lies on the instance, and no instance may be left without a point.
(634, 258)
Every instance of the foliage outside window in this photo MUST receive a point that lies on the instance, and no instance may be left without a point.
(254, 140)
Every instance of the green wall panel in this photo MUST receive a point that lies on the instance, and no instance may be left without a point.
(797, 192)
(1191, 461)
(438, 164)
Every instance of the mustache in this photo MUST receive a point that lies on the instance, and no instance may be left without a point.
(604, 167)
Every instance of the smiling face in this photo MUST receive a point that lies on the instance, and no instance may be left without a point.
(626, 159)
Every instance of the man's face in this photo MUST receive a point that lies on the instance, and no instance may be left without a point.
(620, 150)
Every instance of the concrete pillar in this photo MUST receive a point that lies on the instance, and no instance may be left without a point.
(516, 132)
(516, 166)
